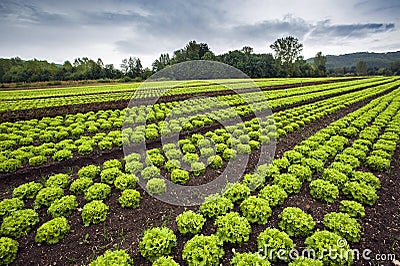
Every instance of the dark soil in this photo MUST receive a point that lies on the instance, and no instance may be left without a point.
(124, 227)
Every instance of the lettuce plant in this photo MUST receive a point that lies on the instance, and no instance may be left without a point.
(236, 192)
(63, 206)
(295, 222)
(377, 163)
(273, 194)
(367, 178)
(324, 190)
(19, 223)
(203, 250)
(303, 173)
(97, 191)
(8, 250)
(256, 210)
(109, 175)
(116, 257)
(190, 222)
(80, 185)
(335, 177)
(215, 162)
(271, 240)
(52, 231)
(248, 258)
(58, 180)
(352, 208)
(130, 198)
(90, 171)
(288, 182)
(179, 176)
(157, 242)
(232, 228)
(94, 212)
(165, 261)
(343, 225)
(47, 196)
(156, 186)
(215, 205)
(126, 181)
(360, 192)
(27, 190)
(8, 206)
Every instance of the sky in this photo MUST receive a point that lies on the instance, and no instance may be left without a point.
(56, 30)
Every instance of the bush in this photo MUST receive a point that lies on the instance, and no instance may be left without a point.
(58, 180)
(352, 208)
(157, 242)
(190, 222)
(215, 162)
(215, 205)
(126, 181)
(62, 155)
(198, 168)
(377, 163)
(303, 173)
(37, 160)
(109, 175)
(343, 225)
(335, 177)
(324, 190)
(130, 198)
(295, 222)
(94, 212)
(247, 258)
(233, 228)
(288, 182)
(273, 194)
(156, 186)
(10, 165)
(116, 257)
(8, 206)
(27, 190)
(80, 185)
(236, 192)
(367, 178)
(360, 192)
(19, 223)
(47, 195)
(256, 210)
(90, 171)
(203, 250)
(179, 176)
(165, 261)
(8, 250)
(52, 231)
(271, 241)
(63, 207)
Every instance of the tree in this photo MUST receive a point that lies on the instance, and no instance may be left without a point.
(161, 62)
(320, 64)
(362, 68)
(287, 51)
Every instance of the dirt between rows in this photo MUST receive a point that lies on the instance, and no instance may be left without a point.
(124, 227)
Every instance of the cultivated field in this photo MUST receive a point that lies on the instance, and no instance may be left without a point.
(83, 178)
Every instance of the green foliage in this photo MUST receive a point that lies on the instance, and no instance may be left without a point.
(343, 225)
(80, 185)
(273, 194)
(116, 257)
(155, 159)
(52, 231)
(341, 167)
(94, 212)
(165, 261)
(198, 168)
(47, 196)
(113, 163)
(157, 242)
(188, 148)
(10, 165)
(62, 155)
(271, 240)
(90, 171)
(130, 198)
(97, 191)
(352, 208)
(303, 173)
(19, 223)
(253, 181)
(179, 176)
(303, 261)
(156, 186)
(58, 180)
(334, 177)
(377, 163)
(133, 167)
(288, 182)
(63, 206)
(256, 210)
(207, 152)
(109, 175)
(294, 157)
(215, 162)
(190, 222)
(243, 149)
(367, 178)
(203, 250)
(126, 181)
(296, 222)
(8, 250)
(190, 158)
(150, 172)
(229, 154)
(348, 159)
(8, 206)
(215, 205)
(236, 192)
(282, 163)
(321, 241)
(324, 190)
(247, 258)
(27, 190)
(360, 192)
(37, 160)
(233, 228)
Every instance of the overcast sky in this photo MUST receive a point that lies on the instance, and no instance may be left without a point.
(115, 29)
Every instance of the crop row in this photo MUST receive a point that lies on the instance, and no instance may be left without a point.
(347, 143)
(140, 93)
(18, 138)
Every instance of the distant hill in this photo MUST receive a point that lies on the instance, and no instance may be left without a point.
(372, 59)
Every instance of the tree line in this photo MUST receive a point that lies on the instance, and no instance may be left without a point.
(286, 61)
